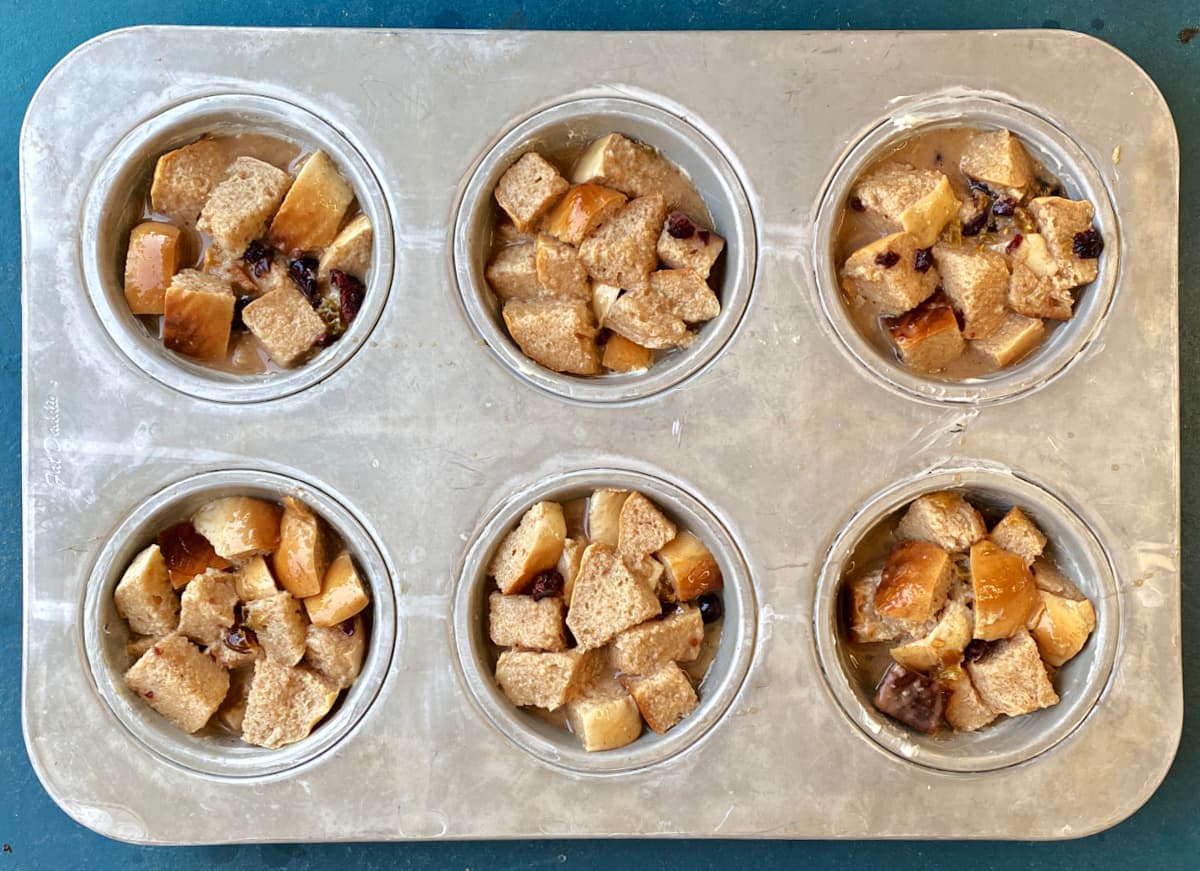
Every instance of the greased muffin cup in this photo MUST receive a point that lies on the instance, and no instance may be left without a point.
(114, 204)
(577, 122)
(1080, 683)
(552, 744)
(210, 752)
(1048, 143)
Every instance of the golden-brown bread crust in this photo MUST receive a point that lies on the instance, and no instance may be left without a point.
(150, 262)
(197, 315)
(915, 583)
(311, 212)
(581, 210)
(1005, 594)
(302, 557)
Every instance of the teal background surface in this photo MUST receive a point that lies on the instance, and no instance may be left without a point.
(34, 833)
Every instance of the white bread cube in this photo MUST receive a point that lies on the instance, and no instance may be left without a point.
(558, 335)
(520, 621)
(965, 710)
(1017, 336)
(342, 596)
(528, 189)
(999, 160)
(689, 567)
(206, 607)
(916, 582)
(647, 647)
(512, 273)
(237, 210)
(280, 626)
(1059, 220)
(1017, 534)
(197, 315)
(286, 324)
(608, 598)
(568, 565)
(350, 251)
(928, 337)
(336, 652)
(622, 355)
(145, 596)
(865, 624)
(636, 169)
(685, 294)
(624, 250)
(1006, 596)
(944, 518)
(642, 528)
(560, 271)
(179, 681)
(255, 580)
(884, 274)
(664, 698)
(943, 646)
(1036, 289)
(1010, 677)
(302, 557)
(581, 210)
(604, 515)
(239, 526)
(545, 680)
(683, 244)
(917, 201)
(313, 208)
(644, 319)
(184, 178)
(604, 717)
(530, 549)
(284, 704)
(975, 280)
(1062, 627)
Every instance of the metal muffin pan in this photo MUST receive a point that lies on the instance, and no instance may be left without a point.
(428, 438)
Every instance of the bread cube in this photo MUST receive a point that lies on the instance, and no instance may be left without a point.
(528, 189)
(139, 644)
(179, 681)
(604, 515)
(624, 251)
(647, 647)
(965, 710)
(1062, 627)
(556, 334)
(544, 680)
(584, 208)
(636, 169)
(313, 208)
(342, 594)
(187, 553)
(976, 283)
(336, 652)
(1035, 288)
(197, 315)
(285, 704)
(239, 526)
(604, 717)
(568, 565)
(145, 596)
(206, 607)
(236, 649)
(865, 624)
(280, 626)
(927, 337)
(512, 273)
(350, 251)
(184, 178)
(1017, 534)
(685, 294)
(999, 160)
(1017, 336)
(520, 621)
(150, 261)
(918, 201)
(1005, 594)
(560, 271)
(884, 274)
(1060, 220)
(684, 245)
(690, 569)
(603, 297)
(232, 713)
(664, 698)
(915, 583)
(255, 581)
(644, 319)
(530, 549)
(622, 355)
(944, 518)
(302, 557)
(642, 528)
(650, 572)
(943, 646)
(1048, 577)
(607, 599)
(1011, 678)
(286, 324)
(237, 210)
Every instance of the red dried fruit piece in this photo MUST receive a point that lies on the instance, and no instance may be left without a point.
(548, 583)
(887, 259)
(1088, 244)
(704, 236)
(680, 226)
(348, 628)
(157, 650)
(149, 694)
(1004, 207)
(923, 259)
(351, 294)
(1014, 244)
(303, 271)
(187, 553)
(258, 257)
(975, 226)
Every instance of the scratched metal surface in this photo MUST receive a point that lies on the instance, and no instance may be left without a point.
(781, 436)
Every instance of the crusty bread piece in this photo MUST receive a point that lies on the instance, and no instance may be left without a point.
(139, 644)
(302, 557)
(239, 527)
(145, 596)
(865, 624)
(206, 607)
(533, 547)
(622, 355)
(232, 712)
(624, 250)
(647, 647)
(690, 569)
(197, 315)
(1005, 594)
(520, 621)
(286, 324)
(1011, 678)
(944, 518)
(581, 210)
(645, 319)
(313, 208)
(1017, 534)
(685, 294)
(285, 704)
(965, 710)
(545, 680)
(604, 515)
(342, 595)
(350, 251)
(1035, 289)
(280, 626)
(683, 244)
(560, 272)
(528, 189)
(915, 583)
(1062, 627)
(604, 716)
(642, 528)
(179, 681)
(607, 599)
(558, 335)
(884, 274)
(664, 698)
(336, 652)
(928, 337)
(999, 160)
(512, 273)
(1047, 576)
(151, 259)
(975, 280)
(237, 210)
(184, 178)
(1017, 336)
(568, 564)
(255, 580)
(917, 201)
(943, 646)
(638, 170)
(1059, 220)
(187, 553)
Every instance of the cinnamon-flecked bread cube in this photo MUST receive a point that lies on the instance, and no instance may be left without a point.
(1017, 534)
(145, 596)
(533, 547)
(624, 250)
(928, 337)
(545, 680)
(237, 210)
(1017, 336)
(284, 704)
(280, 626)
(184, 178)
(581, 210)
(608, 598)
(915, 583)
(206, 607)
(350, 250)
(943, 646)
(645, 319)
(313, 208)
(342, 595)
(664, 698)
(1010, 677)
(976, 283)
(512, 273)
(944, 518)
(560, 271)
(239, 526)
(1062, 626)
(302, 556)
(604, 515)
(999, 160)
(867, 625)
(965, 710)
(647, 647)
(520, 621)
(685, 294)
(528, 189)
(286, 324)
(684, 245)
(642, 528)
(197, 315)
(179, 681)
(151, 259)
(255, 580)
(885, 274)
(690, 569)
(917, 201)
(622, 355)
(604, 716)
(636, 169)
(1005, 594)
(556, 334)
(1060, 220)
(336, 652)
(568, 565)
(1035, 288)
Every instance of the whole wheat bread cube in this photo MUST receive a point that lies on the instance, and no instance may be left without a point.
(608, 598)
(255, 580)
(544, 680)
(179, 681)
(313, 208)
(865, 624)
(624, 250)
(928, 337)
(1035, 288)
(284, 704)
(150, 261)
(1059, 220)
(690, 569)
(944, 518)
(521, 621)
(975, 280)
(286, 324)
(643, 318)
(917, 201)
(916, 582)
(533, 547)
(664, 698)
(604, 515)
(139, 644)
(622, 355)
(1017, 336)
(184, 178)
(642, 528)
(943, 646)
(560, 271)
(965, 710)
(239, 527)
(336, 652)
(558, 335)
(884, 274)
(528, 189)
(350, 250)
(647, 647)
(649, 571)
(512, 273)
(604, 716)
(638, 170)
(999, 160)
(581, 210)
(197, 315)
(1062, 627)
(280, 626)
(145, 596)
(685, 294)
(237, 210)
(1017, 534)
(568, 565)
(1011, 678)
(206, 607)
(683, 244)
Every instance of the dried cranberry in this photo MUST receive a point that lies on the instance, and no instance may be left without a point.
(351, 293)
(238, 639)
(548, 583)
(1004, 207)
(239, 306)
(923, 259)
(680, 226)
(259, 258)
(348, 627)
(1088, 244)
(979, 187)
(157, 650)
(602, 336)
(665, 608)
(975, 226)
(303, 272)
(149, 694)
(912, 698)
(857, 204)
(887, 259)
(704, 236)
(712, 608)
(975, 650)
(1014, 244)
